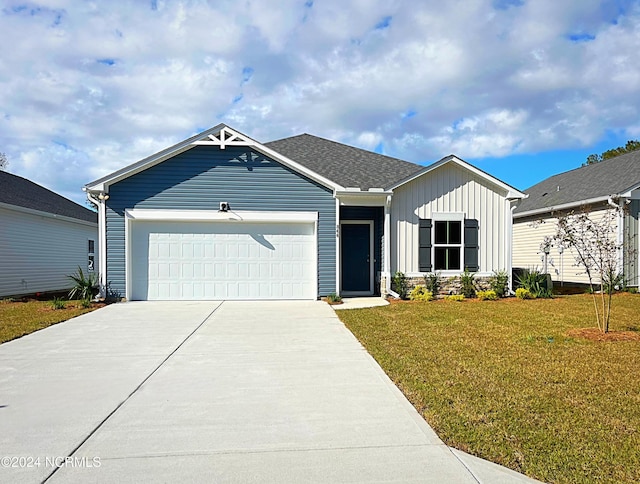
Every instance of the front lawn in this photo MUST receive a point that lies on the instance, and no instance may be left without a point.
(503, 381)
(23, 317)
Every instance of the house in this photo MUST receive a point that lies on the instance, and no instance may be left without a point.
(43, 238)
(222, 216)
(594, 188)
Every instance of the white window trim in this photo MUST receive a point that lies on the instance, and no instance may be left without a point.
(447, 217)
(371, 258)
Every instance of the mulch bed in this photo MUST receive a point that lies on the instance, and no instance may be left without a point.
(594, 334)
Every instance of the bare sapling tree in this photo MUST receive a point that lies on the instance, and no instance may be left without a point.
(4, 162)
(594, 243)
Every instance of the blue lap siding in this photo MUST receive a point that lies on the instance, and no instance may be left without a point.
(204, 176)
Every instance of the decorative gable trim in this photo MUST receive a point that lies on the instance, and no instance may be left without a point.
(220, 136)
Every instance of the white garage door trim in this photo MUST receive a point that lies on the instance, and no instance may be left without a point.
(240, 216)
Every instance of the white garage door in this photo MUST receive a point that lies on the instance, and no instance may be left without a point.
(222, 260)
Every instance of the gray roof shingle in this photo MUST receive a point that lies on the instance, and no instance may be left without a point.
(610, 177)
(343, 164)
(15, 190)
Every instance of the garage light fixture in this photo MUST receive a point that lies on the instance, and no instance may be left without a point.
(224, 207)
(103, 196)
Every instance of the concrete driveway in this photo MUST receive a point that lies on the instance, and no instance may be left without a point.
(215, 392)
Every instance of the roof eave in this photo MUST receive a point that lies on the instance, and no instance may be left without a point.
(563, 206)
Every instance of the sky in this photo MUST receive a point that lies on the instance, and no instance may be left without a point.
(522, 89)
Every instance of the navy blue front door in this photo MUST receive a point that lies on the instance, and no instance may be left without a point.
(356, 257)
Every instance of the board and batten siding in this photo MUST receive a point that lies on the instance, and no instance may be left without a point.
(449, 188)
(529, 233)
(632, 238)
(38, 252)
(204, 176)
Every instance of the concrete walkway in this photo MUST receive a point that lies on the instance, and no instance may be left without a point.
(213, 392)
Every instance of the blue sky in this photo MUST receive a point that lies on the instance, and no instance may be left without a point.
(522, 89)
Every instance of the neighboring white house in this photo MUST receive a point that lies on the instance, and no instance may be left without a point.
(594, 188)
(43, 238)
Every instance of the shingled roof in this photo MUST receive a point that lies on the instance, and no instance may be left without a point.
(343, 164)
(614, 176)
(18, 191)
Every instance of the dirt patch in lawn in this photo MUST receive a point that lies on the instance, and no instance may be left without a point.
(594, 334)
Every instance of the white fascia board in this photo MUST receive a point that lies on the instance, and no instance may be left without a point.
(632, 192)
(217, 216)
(564, 206)
(512, 193)
(364, 199)
(40, 213)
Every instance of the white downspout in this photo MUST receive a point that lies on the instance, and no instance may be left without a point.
(619, 231)
(509, 244)
(386, 269)
(338, 258)
(102, 242)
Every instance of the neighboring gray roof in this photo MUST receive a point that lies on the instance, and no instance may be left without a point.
(15, 190)
(345, 165)
(610, 177)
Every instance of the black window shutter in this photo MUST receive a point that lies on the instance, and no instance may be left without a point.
(471, 259)
(424, 244)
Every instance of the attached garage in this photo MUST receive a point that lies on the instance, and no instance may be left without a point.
(208, 256)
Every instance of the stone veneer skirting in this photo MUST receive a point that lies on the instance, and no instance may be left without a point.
(448, 285)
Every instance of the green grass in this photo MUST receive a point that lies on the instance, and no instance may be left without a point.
(20, 318)
(501, 380)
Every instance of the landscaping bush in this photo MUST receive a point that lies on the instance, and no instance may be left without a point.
(334, 298)
(535, 282)
(454, 297)
(58, 303)
(498, 282)
(400, 285)
(421, 293)
(522, 293)
(490, 295)
(432, 281)
(468, 288)
(85, 286)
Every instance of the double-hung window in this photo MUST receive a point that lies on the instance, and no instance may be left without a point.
(447, 245)
(448, 242)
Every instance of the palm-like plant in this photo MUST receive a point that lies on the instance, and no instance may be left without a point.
(84, 285)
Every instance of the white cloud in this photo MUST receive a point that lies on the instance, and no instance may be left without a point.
(87, 87)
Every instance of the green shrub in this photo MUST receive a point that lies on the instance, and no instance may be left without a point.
(58, 303)
(85, 303)
(334, 298)
(421, 293)
(399, 284)
(468, 288)
(522, 293)
(535, 282)
(432, 282)
(498, 282)
(490, 295)
(85, 286)
(455, 297)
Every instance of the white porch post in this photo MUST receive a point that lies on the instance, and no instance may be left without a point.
(386, 256)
